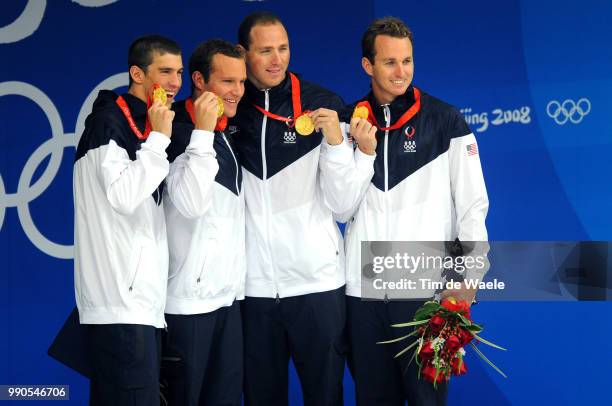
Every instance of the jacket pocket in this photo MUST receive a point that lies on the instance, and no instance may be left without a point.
(135, 266)
(334, 239)
(196, 273)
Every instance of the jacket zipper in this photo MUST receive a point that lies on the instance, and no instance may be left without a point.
(235, 161)
(264, 123)
(265, 187)
(202, 270)
(386, 195)
(136, 271)
(387, 124)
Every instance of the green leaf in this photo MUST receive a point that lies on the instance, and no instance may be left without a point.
(436, 378)
(465, 320)
(482, 340)
(473, 327)
(405, 349)
(411, 359)
(411, 323)
(487, 360)
(398, 339)
(426, 311)
(418, 350)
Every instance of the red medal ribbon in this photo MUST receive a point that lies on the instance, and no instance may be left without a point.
(411, 112)
(128, 115)
(295, 100)
(221, 123)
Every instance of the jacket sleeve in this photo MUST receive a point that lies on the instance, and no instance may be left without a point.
(468, 189)
(128, 183)
(192, 175)
(345, 175)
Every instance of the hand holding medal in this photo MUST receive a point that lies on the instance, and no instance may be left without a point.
(326, 121)
(364, 134)
(159, 115)
(206, 111)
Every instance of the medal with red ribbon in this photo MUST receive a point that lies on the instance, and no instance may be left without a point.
(221, 122)
(305, 124)
(125, 109)
(409, 114)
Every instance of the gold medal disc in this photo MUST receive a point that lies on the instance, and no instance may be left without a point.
(159, 94)
(304, 125)
(361, 112)
(220, 111)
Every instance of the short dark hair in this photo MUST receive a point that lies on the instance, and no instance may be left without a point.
(142, 49)
(250, 21)
(201, 59)
(390, 26)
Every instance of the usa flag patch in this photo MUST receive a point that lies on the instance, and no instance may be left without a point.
(472, 149)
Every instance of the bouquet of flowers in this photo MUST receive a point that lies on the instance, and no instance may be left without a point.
(443, 330)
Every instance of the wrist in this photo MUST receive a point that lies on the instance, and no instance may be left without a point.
(366, 150)
(206, 126)
(334, 139)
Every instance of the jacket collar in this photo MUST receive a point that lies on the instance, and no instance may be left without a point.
(397, 106)
(278, 92)
(138, 108)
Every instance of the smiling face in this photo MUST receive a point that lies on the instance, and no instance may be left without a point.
(268, 55)
(227, 77)
(165, 70)
(392, 69)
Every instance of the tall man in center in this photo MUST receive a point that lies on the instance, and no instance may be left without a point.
(294, 305)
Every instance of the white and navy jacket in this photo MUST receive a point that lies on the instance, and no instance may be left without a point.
(204, 207)
(426, 183)
(121, 252)
(291, 188)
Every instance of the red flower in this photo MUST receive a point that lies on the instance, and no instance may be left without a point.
(458, 366)
(452, 344)
(436, 323)
(429, 373)
(460, 306)
(465, 336)
(426, 352)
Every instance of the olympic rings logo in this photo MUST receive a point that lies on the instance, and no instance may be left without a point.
(289, 137)
(54, 146)
(568, 110)
(31, 17)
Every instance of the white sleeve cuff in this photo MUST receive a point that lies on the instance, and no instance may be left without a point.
(341, 152)
(363, 159)
(158, 142)
(201, 141)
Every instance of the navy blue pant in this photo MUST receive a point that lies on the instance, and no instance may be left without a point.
(202, 358)
(380, 379)
(125, 360)
(308, 328)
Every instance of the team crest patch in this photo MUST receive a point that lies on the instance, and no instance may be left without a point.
(409, 146)
(289, 137)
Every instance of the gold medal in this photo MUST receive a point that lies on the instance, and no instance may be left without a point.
(304, 125)
(361, 112)
(220, 111)
(159, 94)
